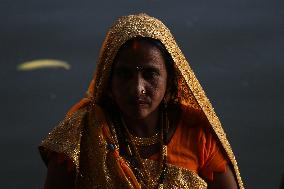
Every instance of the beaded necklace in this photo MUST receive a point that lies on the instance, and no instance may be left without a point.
(139, 165)
(145, 141)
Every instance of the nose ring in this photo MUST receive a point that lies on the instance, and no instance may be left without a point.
(143, 92)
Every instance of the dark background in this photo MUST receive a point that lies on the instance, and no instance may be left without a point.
(235, 48)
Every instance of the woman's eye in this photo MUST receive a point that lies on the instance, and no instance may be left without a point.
(150, 74)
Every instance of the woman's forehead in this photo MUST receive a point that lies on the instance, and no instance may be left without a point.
(140, 54)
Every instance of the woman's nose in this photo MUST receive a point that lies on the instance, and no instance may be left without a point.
(138, 85)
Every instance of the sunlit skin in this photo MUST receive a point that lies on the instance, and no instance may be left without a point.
(138, 85)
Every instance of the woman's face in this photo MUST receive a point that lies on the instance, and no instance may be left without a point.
(139, 79)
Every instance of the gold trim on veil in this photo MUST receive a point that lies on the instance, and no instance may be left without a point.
(190, 92)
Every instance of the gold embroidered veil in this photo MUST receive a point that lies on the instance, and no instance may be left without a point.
(72, 137)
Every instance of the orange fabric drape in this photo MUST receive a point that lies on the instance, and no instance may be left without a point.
(194, 147)
(85, 101)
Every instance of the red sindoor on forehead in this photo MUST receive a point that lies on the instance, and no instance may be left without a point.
(136, 45)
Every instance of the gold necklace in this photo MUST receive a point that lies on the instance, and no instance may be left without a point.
(145, 141)
(150, 182)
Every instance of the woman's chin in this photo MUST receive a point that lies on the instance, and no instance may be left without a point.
(138, 114)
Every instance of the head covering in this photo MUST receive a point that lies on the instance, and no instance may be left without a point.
(189, 91)
(141, 25)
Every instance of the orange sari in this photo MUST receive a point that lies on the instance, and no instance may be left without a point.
(198, 147)
(194, 147)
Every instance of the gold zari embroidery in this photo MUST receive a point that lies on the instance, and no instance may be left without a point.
(82, 141)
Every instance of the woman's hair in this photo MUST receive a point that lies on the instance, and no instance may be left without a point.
(169, 63)
(156, 43)
(171, 91)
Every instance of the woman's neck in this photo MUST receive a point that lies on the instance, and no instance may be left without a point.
(143, 127)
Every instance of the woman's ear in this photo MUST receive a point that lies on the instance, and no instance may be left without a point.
(167, 96)
(171, 87)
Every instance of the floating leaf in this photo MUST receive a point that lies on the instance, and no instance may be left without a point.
(42, 64)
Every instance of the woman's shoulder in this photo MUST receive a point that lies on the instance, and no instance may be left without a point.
(64, 137)
(193, 125)
(193, 118)
(69, 125)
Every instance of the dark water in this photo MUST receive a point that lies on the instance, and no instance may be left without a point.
(234, 47)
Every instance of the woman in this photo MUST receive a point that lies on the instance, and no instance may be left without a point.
(144, 123)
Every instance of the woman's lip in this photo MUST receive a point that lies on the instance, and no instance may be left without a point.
(140, 102)
(142, 105)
